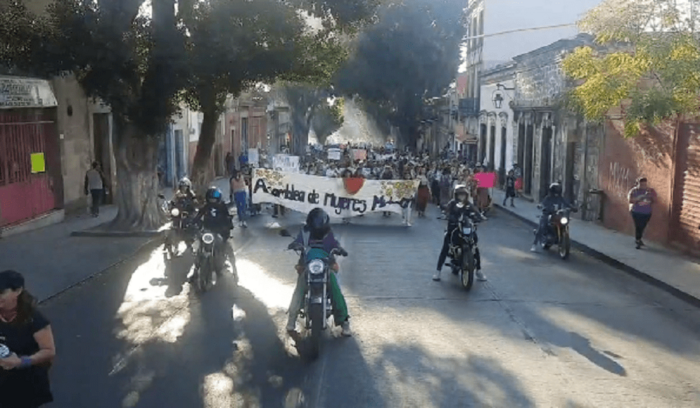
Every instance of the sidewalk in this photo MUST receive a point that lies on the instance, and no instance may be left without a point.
(52, 260)
(662, 267)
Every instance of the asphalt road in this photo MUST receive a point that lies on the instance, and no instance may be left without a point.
(540, 333)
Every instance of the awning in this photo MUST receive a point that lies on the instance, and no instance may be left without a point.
(18, 92)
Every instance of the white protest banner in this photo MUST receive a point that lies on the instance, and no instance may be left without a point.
(253, 157)
(338, 197)
(334, 154)
(286, 163)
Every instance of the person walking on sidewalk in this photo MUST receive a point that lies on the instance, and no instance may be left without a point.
(641, 200)
(239, 196)
(27, 347)
(510, 188)
(94, 186)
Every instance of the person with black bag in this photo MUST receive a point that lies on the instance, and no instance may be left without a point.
(26, 346)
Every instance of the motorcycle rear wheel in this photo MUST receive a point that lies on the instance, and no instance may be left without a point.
(317, 318)
(466, 276)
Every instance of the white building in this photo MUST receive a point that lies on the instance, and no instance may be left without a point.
(500, 30)
(496, 134)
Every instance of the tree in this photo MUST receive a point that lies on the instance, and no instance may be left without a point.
(129, 60)
(411, 55)
(328, 119)
(235, 44)
(141, 65)
(646, 61)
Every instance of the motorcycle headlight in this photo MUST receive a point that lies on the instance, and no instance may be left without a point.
(466, 230)
(208, 238)
(316, 267)
(564, 220)
(175, 212)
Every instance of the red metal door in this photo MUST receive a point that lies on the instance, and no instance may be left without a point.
(24, 195)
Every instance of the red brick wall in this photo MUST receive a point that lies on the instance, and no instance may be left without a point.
(622, 161)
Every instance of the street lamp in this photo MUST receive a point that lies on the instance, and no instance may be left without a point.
(498, 97)
(497, 100)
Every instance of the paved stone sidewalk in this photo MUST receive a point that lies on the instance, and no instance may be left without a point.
(669, 269)
(52, 260)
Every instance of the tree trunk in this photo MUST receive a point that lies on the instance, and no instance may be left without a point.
(301, 124)
(137, 182)
(202, 173)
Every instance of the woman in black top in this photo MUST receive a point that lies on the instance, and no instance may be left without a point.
(26, 343)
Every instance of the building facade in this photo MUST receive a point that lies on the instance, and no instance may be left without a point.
(548, 142)
(501, 30)
(496, 140)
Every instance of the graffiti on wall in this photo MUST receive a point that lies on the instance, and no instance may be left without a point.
(619, 180)
(538, 87)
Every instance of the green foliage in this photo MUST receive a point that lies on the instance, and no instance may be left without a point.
(410, 55)
(129, 61)
(647, 62)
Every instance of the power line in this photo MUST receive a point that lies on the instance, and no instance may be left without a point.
(519, 30)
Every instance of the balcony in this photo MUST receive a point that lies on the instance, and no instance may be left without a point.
(469, 106)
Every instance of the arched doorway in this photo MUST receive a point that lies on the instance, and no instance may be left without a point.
(502, 167)
(482, 144)
(492, 148)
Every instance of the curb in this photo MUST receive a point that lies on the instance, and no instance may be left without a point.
(686, 297)
(116, 234)
(146, 245)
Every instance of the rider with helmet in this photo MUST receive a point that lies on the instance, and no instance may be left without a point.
(214, 216)
(551, 203)
(454, 210)
(184, 198)
(318, 239)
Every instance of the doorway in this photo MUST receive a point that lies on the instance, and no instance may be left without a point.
(244, 136)
(502, 167)
(546, 161)
(492, 149)
(100, 138)
(527, 162)
(482, 144)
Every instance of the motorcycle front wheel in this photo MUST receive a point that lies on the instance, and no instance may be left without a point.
(466, 276)
(564, 245)
(317, 317)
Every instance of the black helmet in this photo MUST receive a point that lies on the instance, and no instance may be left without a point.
(555, 189)
(318, 222)
(213, 195)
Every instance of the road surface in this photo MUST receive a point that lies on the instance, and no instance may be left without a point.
(540, 333)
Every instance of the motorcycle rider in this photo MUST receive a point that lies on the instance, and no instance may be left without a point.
(457, 207)
(214, 216)
(184, 196)
(319, 240)
(551, 203)
(185, 201)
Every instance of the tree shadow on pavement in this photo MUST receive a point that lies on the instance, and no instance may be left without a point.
(424, 379)
(124, 343)
(344, 379)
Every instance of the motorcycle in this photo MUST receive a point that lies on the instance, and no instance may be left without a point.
(462, 251)
(558, 231)
(181, 228)
(317, 306)
(205, 266)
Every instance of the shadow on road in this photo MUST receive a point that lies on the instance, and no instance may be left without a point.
(135, 337)
(432, 381)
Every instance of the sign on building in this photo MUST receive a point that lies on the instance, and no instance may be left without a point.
(18, 92)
